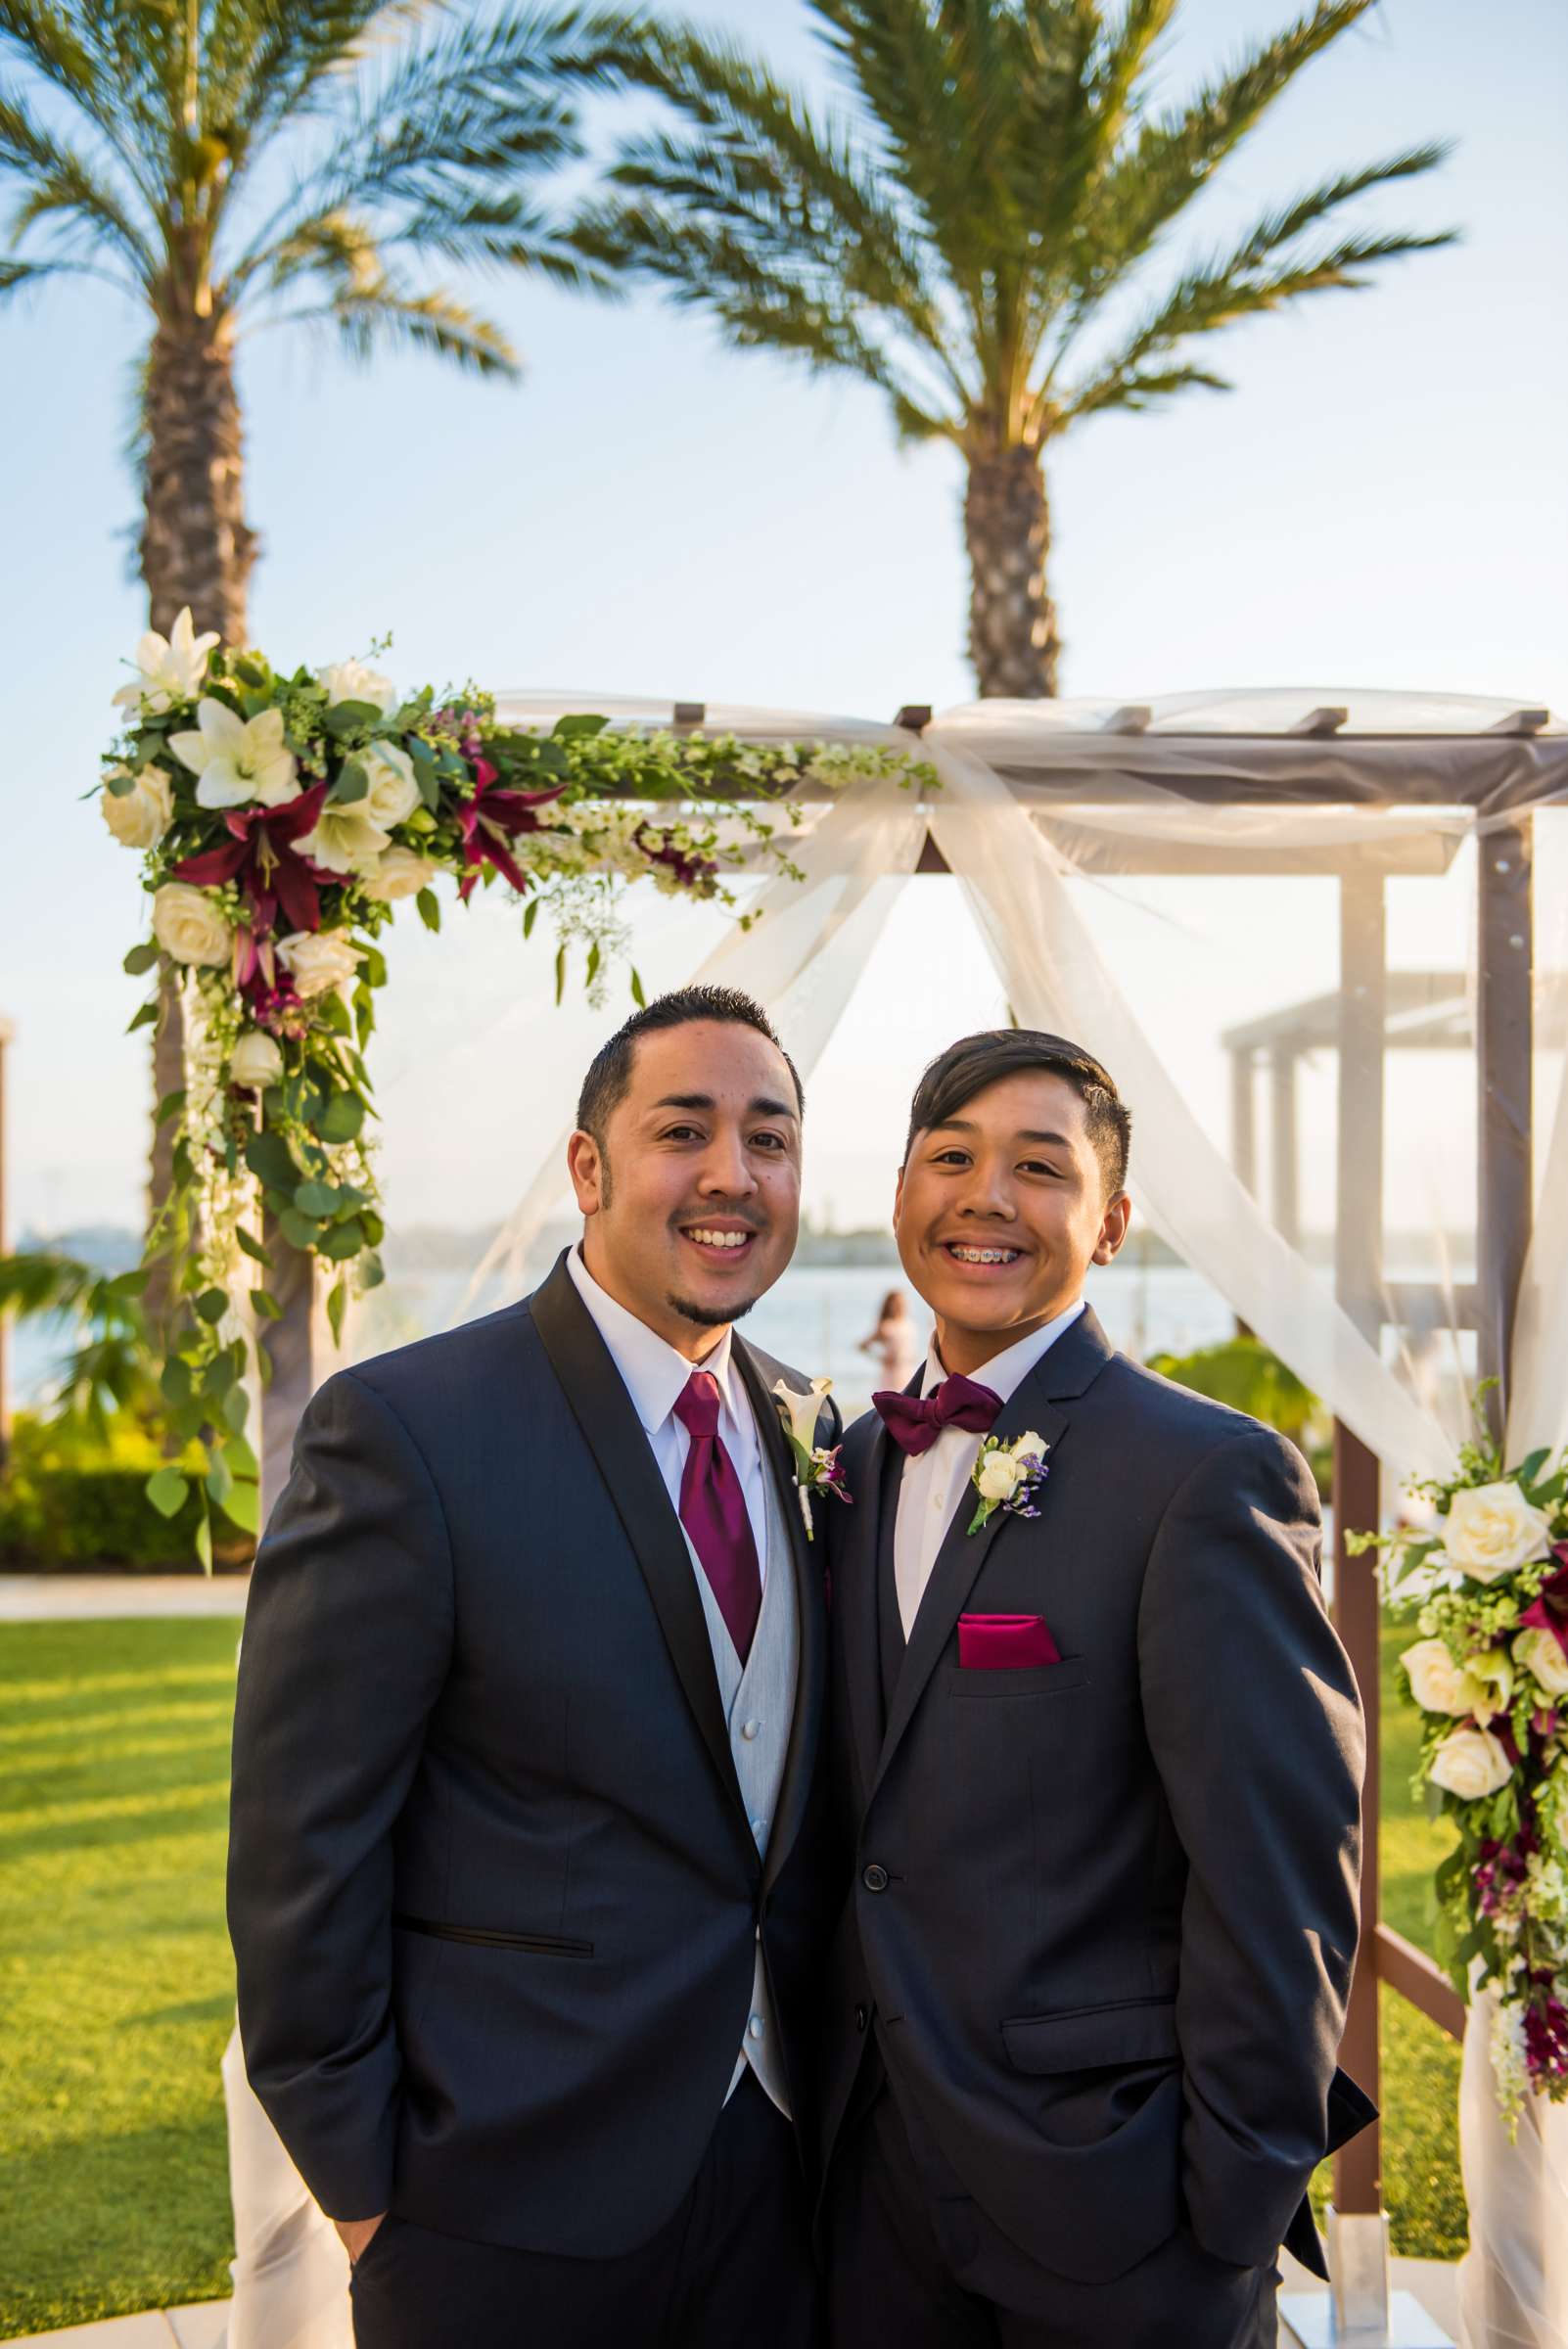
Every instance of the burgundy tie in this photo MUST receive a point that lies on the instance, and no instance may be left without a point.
(915, 1421)
(713, 1510)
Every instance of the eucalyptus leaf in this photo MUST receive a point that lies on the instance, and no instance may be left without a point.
(560, 972)
(299, 1230)
(637, 996)
(342, 1118)
(316, 1199)
(268, 1155)
(219, 1479)
(143, 1019)
(204, 1542)
(341, 1241)
(121, 784)
(352, 718)
(253, 1248)
(174, 1380)
(242, 1505)
(337, 1307)
(212, 1306)
(167, 1107)
(579, 727)
(531, 914)
(141, 958)
(353, 785)
(430, 908)
(266, 1305)
(167, 1490)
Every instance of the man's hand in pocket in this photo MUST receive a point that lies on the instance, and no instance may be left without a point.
(357, 2234)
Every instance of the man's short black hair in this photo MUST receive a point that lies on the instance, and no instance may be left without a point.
(609, 1076)
(974, 1062)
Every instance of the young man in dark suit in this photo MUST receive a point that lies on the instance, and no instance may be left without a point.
(1098, 1753)
(528, 1884)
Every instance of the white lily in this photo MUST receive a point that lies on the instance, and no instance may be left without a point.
(238, 758)
(803, 1410)
(171, 666)
(346, 840)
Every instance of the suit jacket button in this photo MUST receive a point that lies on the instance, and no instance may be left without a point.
(860, 2019)
(875, 1878)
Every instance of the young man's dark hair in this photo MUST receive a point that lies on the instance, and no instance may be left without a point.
(610, 1071)
(974, 1062)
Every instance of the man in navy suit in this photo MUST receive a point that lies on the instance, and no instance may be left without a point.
(527, 1877)
(1098, 1755)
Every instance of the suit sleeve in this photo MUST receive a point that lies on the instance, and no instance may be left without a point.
(1253, 1717)
(348, 1637)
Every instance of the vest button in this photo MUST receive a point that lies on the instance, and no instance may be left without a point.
(860, 2019)
(875, 1878)
(755, 2026)
(749, 1730)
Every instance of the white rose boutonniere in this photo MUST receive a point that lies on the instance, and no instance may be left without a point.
(816, 1467)
(1008, 1476)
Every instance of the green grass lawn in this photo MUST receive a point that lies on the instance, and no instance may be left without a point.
(117, 1984)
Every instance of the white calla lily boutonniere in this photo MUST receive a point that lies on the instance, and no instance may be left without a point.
(1009, 1476)
(816, 1467)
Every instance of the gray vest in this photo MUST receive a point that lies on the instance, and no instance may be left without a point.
(759, 1708)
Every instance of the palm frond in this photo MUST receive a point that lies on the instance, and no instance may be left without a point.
(1158, 172)
(1229, 291)
(58, 183)
(372, 310)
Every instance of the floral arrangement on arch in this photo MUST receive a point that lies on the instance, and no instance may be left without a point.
(281, 816)
(1490, 1676)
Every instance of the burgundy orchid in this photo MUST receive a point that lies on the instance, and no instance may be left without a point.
(491, 820)
(264, 862)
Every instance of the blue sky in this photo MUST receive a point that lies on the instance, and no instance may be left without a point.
(1383, 499)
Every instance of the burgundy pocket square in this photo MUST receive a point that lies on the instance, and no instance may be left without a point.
(1004, 1642)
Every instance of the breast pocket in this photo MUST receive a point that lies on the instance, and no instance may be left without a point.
(1030, 1680)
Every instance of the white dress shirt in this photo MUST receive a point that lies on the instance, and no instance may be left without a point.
(655, 1376)
(934, 1483)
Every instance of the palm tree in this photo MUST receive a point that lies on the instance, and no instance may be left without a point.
(233, 164)
(972, 235)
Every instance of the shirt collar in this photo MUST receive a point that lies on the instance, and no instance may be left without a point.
(654, 1374)
(1007, 1371)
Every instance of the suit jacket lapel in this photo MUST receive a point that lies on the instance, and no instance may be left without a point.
(1063, 1372)
(615, 1435)
(805, 1564)
(857, 1596)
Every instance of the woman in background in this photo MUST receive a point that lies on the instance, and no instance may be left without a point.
(893, 1339)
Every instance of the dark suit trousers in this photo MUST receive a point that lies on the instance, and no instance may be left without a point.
(733, 2265)
(930, 2272)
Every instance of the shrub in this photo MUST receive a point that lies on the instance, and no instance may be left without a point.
(1243, 1373)
(70, 1498)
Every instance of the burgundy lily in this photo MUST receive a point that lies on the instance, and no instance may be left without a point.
(1548, 1612)
(491, 820)
(263, 859)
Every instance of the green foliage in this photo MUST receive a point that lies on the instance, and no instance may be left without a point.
(292, 160)
(1005, 173)
(71, 1497)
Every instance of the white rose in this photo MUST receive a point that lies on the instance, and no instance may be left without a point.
(1028, 1447)
(803, 1410)
(394, 794)
(1470, 1762)
(998, 1473)
(345, 839)
(318, 959)
(353, 681)
(256, 1060)
(1542, 1655)
(401, 873)
(189, 925)
(140, 818)
(1437, 1684)
(1491, 1529)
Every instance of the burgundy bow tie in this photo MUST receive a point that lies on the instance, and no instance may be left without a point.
(915, 1421)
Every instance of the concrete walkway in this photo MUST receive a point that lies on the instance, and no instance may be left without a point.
(68, 1597)
(203, 2326)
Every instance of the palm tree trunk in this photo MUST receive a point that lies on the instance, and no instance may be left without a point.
(1012, 622)
(195, 549)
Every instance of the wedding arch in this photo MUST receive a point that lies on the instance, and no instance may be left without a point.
(1380, 808)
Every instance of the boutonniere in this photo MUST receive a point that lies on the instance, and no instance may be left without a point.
(1008, 1476)
(817, 1468)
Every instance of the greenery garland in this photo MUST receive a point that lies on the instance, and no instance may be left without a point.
(281, 816)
